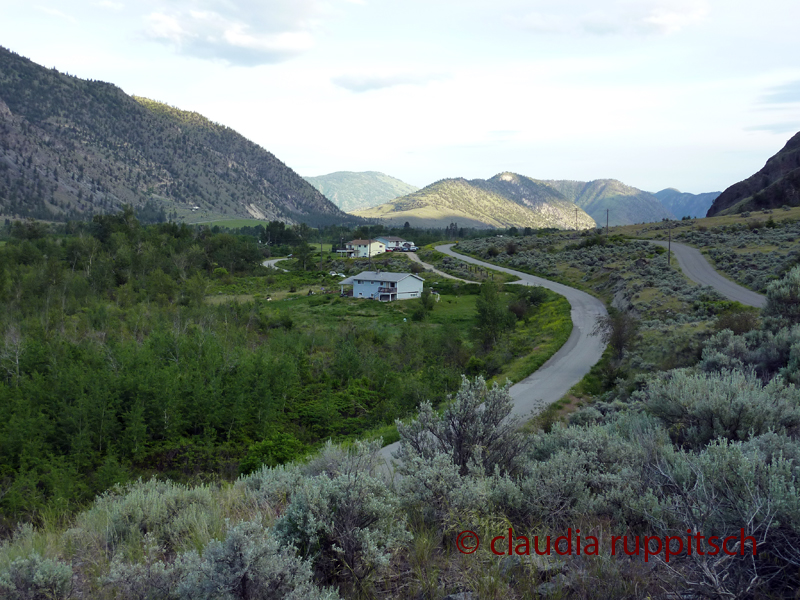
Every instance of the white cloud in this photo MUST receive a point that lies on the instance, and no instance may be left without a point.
(617, 17)
(109, 4)
(366, 82)
(241, 32)
(787, 93)
(791, 127)
(57, 13)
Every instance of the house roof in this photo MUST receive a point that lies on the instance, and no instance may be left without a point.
(378, 276)
(362, 242)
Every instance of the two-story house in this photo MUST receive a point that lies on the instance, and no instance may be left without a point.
(384, 286)
(364, 248)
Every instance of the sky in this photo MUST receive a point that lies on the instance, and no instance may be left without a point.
(691, 94)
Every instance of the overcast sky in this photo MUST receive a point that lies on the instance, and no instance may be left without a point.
(693, 94)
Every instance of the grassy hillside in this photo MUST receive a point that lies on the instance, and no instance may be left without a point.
(353, 191)
(506, 200)
(70, 148)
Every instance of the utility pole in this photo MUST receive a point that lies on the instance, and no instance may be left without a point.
(320, 248)
(669, 245)
(606, 222)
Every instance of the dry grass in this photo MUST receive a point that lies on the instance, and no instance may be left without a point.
(642, 231)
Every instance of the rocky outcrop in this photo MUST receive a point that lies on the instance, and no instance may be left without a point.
(776, 185)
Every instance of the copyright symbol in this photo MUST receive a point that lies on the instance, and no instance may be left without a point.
(467, 542)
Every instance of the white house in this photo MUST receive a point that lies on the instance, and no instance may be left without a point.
(364, 248)
(391, 242)
(384, 286)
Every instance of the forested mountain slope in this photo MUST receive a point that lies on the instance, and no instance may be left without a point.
(683, 204)
(626, 204)
(352, 191)
(505, 200)
(71, 147)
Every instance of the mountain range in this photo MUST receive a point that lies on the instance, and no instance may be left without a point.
(508, 199)
(683, 204)
(70, 148)
(775, 185)
(505, 200)
(353, 191)
(625, 204)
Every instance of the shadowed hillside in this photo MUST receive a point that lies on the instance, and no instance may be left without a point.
(682, 204)
(352, 191)
(777, 184)
(626, 204)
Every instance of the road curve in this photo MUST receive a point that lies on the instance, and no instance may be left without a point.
(695, 266)
(567, 366)
(272, 263)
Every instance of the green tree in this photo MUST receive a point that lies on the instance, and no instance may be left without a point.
(303, 254)
(617, 329)
(492, 315)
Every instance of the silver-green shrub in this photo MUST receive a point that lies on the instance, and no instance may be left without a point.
(766, 352)
(152, 578)
(171, 512)
(727, 489)
(434, 488)
(345, 519)
(35, 578)
(700, 407)
(271, 487)
(783, 301)
(476, 426)
(574, 472)
(248, 564)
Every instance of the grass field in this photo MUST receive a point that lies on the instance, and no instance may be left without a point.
(517, 355)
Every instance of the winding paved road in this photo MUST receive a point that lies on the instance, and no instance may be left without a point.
(566, 367)
(695, 266)
(272, 263)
